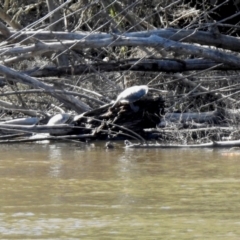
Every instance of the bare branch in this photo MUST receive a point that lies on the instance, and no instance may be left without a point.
(25, 79)
(5, 17)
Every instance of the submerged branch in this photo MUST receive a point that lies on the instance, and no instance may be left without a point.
(220, 144)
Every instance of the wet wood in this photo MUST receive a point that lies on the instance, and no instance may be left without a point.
(122, 119)
(220, 144)
(60, 129)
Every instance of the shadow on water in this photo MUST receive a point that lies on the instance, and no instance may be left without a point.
(74, 191)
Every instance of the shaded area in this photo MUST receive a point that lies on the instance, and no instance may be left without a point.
(110, 123)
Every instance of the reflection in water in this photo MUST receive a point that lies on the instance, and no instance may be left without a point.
(55, 158)
(75, 191)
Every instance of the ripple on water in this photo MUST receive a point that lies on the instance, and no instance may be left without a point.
(66, 191)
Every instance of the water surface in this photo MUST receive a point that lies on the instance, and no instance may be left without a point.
(75, 191)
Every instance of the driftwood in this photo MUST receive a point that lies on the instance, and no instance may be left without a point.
(60, 129)
(120, 122)
(223, 144)
(122, 119)
(172, 40)
(25, 79)
(168, 39)
(55, 25)
(151, 41)
(22, 121)
(109, 44)
(146, 65)
(39, 138)
(183, 35)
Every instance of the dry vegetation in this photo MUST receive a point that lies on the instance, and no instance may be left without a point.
(77, 56)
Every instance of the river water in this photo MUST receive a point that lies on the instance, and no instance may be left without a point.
(83, 191)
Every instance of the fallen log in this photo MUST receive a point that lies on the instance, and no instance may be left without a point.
(146, 65)
(22, 121)
(60, 129)
(122, 118)
(220, 144)
(183, 35)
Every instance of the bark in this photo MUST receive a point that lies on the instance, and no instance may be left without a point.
(5, 31)
(146, 65)
(69, 101)
(44, 137)
(181, 35)
(63, 92)
(60, 129)
(5, 17)
(13, 107)
(123, 117)
(22, 121)
(56, 25)
(152, 41)
(219, 144)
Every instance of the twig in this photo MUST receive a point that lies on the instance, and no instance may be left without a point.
(7, 106)
(5, 17)
(25, 79)
(31, 91)
(115, 125)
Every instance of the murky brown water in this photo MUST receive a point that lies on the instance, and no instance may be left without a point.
(73, 191)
